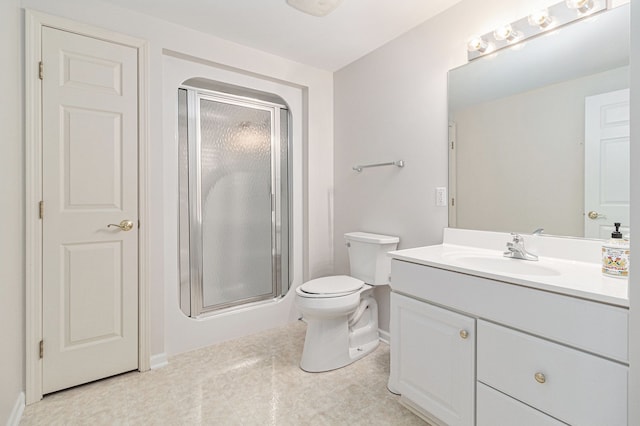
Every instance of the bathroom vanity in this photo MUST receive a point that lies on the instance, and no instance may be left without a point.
(479, 339)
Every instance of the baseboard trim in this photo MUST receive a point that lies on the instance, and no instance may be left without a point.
(385, 336)
(158, 361)
(16, 413)
(415, 409)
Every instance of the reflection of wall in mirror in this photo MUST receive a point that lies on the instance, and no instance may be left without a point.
(520, 159)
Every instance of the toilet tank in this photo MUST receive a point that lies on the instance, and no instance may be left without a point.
(368, 258)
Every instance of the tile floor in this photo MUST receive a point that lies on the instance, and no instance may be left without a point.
(250, 381)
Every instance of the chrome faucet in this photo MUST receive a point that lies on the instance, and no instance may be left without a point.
(538, 231)
(516, 250)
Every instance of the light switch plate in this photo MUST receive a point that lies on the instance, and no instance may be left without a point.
(441, 196)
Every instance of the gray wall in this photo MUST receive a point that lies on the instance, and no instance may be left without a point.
(11, 212)
(392, 104)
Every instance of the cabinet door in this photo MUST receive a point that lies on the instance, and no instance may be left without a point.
(433, 359)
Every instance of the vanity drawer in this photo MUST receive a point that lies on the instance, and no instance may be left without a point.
(568, 384)
(498, 409)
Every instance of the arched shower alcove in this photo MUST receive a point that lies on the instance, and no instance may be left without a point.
(234, 183)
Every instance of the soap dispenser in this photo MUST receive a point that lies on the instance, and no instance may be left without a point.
(615, 255)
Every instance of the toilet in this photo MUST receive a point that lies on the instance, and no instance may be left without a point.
(340, 311)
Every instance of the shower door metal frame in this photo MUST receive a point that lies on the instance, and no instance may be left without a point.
(195, 243)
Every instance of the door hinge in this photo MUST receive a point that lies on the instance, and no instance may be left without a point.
(40, 71)
(451, 144)
(41, 349)
(41, 209)
(453, 202)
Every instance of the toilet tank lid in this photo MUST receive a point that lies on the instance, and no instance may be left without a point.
(366, 237)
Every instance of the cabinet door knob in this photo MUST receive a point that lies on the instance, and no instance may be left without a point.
(540, 378)
(464, 334)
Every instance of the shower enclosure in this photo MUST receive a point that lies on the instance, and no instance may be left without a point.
(234, 209)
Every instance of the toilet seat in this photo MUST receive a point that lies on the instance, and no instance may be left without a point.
(333, 286)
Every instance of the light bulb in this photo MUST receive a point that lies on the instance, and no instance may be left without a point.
(477, 44)
(540, 18)
(505, 32)
(581, 6)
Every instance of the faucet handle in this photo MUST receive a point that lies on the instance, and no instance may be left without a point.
(517, 238)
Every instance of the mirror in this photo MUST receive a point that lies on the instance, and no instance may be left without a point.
(537, 133)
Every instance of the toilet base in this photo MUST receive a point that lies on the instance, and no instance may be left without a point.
(330, 343)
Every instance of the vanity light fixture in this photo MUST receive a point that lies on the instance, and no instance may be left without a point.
(582, 6)
(477, 44)
(538, 22)
(540, 18)
(505, 32)
(315, 7)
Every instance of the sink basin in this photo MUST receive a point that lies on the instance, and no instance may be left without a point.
(499, 264)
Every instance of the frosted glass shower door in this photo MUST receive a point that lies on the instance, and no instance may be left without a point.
(236, 158)
(233, 165)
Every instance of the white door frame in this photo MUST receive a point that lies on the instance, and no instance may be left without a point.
(34, 21)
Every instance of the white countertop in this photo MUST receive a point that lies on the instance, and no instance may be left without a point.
(563, 276)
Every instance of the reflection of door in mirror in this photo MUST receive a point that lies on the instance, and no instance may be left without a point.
(606, 192)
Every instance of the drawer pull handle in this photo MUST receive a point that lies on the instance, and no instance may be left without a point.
(464, 334)
(540, 378)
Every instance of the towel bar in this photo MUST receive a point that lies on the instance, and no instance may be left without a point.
(359, 168)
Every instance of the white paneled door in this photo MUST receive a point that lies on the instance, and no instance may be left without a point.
(607, 167)
(90, 180)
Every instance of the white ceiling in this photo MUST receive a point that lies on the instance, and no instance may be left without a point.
(354, 29)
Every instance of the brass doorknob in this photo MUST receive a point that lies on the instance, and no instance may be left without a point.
(594, 215)
(125, 225)
(464, 334)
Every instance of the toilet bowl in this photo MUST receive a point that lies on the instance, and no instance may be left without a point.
(340, 311)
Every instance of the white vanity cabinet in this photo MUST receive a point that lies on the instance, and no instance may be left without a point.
(530, 357)
(433, 359)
